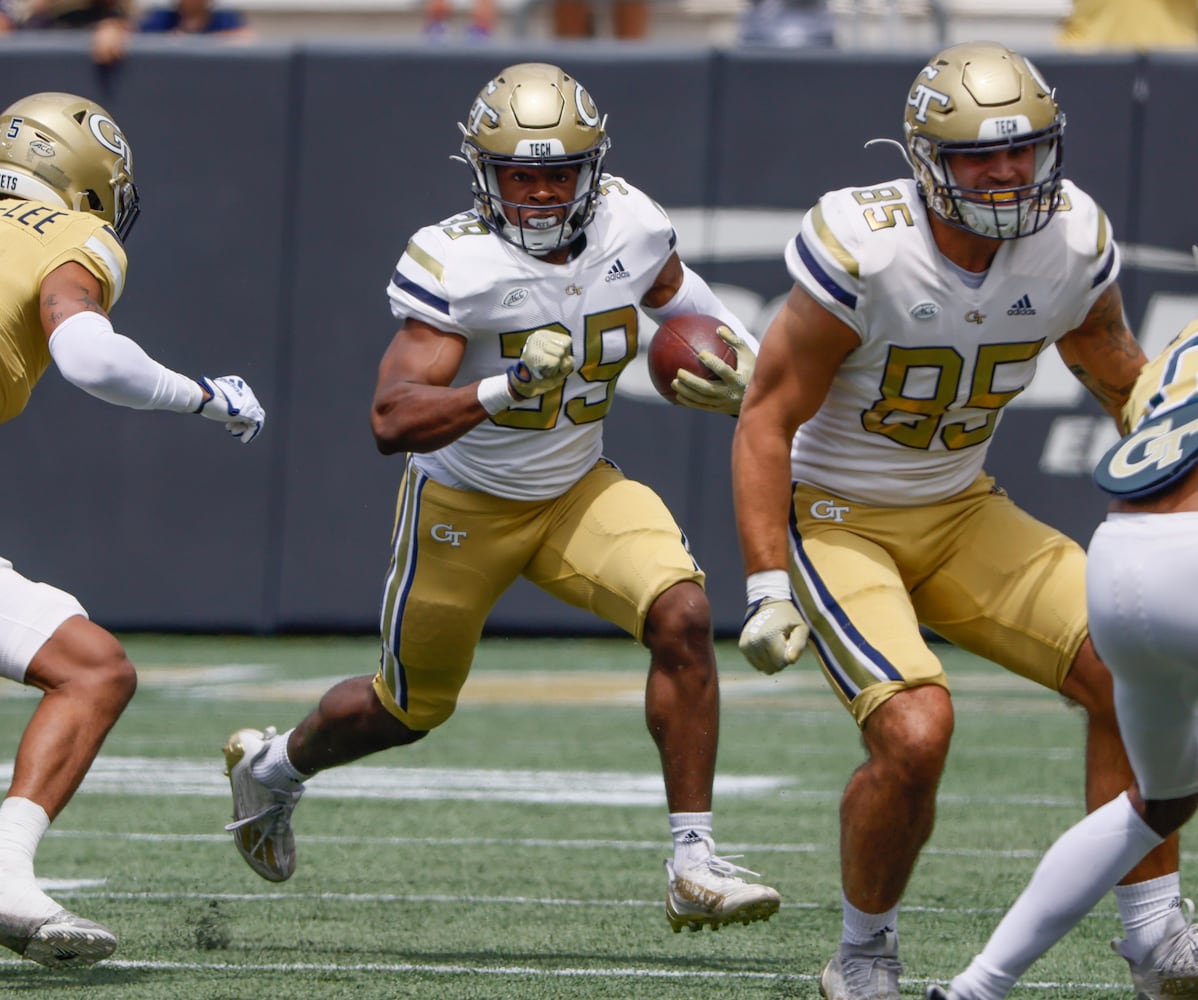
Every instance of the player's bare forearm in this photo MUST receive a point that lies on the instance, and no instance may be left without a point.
(410, 417)
(1102, 353)
(761, 492)
(415, 408)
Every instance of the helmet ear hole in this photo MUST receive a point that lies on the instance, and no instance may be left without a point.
(93, 200)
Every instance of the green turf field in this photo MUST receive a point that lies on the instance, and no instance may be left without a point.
(517, 852)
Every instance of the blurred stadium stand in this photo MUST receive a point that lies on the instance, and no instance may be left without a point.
(860, 24)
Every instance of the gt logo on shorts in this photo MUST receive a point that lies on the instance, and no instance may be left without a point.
(446, 533)
(828, 510)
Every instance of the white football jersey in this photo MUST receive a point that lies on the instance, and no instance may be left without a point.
(911, 411)
(460, 277)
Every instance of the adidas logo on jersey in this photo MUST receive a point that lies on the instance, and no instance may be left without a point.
(617, 272)
(1022, 308)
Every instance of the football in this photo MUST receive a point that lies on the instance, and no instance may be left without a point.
(677, 344)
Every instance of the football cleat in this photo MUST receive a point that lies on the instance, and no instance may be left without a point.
(864, 971)
(936, 993)
(1171, 968)
(261, 824)
(63, 941)
(710, 893)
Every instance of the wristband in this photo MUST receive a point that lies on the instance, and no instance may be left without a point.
(768, 585)
(494, 395)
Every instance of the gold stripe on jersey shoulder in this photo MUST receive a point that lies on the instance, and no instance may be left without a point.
(426, 260)
(1104, 232)
(828, 238)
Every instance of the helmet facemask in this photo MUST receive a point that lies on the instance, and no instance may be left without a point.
(535, 232)
(533, 115)
(1005, 213)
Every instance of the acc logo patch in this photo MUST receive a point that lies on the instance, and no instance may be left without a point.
(1153, 456)
(924, 310)
(515, 297)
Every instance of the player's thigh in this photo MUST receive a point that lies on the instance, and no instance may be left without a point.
(613, 548)
(1008, 588)
(32, 612)
(1140, 580)
(863, 626)
(453, 554)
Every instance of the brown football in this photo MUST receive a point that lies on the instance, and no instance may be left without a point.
(677, 344)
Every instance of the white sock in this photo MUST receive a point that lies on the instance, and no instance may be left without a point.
(861, 927)
(274, 769)
(1146, 909)
(1075, 873)
(692, 838)
(981, 982)
(23, 823)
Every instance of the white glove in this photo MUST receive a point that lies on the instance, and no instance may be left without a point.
(773, 635)
(234, 404)
(725, 395)
(545, 361)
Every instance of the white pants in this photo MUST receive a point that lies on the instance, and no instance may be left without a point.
(29, 614)
(1142, 597)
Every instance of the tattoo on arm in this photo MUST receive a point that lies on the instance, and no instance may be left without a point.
(58, 306)
(1111, 397)
(1113, 358)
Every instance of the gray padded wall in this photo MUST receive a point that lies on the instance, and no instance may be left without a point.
(280, 185)
(155, 520)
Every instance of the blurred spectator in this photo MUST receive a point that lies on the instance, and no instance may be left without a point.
(577, 18)
(196, 17)
(436, 19)
(1131, 24)
(794, 24)
(109, 20)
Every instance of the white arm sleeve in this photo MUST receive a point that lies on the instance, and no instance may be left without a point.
(694, 295)
(111, 367)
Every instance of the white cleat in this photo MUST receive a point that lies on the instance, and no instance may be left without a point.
(64, 941)
(710, 893)
(261, 824)
(1170, 970)
(864, 972)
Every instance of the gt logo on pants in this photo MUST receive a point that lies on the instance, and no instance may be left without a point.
(828, 510)
(446, 533)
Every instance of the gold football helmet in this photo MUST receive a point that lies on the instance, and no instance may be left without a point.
(67, 151)
(536, 115)
(975, 98)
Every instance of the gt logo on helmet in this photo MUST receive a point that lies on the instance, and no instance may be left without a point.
(921, 96)
(109, 136)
